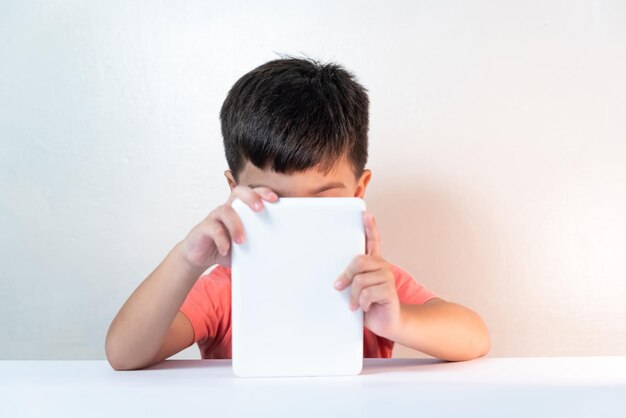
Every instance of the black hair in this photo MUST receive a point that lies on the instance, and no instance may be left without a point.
(292, 114)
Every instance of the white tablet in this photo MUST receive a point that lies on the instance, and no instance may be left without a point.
(287, 318)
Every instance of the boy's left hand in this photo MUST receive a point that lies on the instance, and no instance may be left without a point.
(373, 286)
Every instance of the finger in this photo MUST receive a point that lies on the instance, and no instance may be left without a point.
(215, 230)
(372, 236)
(266, 193)
(359, 264)
(231, 220)
(361, 282)
(374, 294)
(247, 196)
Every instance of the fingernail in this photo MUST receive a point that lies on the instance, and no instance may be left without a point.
(337, 283)
(257, 205)
(273, 196)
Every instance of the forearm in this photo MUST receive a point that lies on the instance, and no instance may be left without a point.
(444, 330)
(136, 333)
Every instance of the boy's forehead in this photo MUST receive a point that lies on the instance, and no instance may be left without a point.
(298, 183)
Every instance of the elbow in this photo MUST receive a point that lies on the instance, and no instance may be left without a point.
(481, 345)
(118, 364)
(121, 363)
(114, 357)
(484, 346)
(474, 350)
(117, 358)
(113, 352)
(477, 346)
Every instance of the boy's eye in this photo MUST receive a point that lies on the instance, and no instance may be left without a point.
(329, 193)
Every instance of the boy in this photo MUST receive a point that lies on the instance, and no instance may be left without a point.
(291, 127)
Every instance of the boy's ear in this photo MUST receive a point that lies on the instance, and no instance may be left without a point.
(362, 183)
(230, 179)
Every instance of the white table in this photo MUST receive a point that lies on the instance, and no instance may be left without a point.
(502, 387)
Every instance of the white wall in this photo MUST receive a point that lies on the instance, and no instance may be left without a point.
(497, 145)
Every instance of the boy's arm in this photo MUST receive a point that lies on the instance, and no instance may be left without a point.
(149, 328)
(439, 328)
(137, 335)
(442, 329)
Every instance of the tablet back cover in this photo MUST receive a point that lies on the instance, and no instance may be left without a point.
(287, 318)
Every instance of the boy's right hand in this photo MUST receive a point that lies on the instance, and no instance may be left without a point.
(208, 243)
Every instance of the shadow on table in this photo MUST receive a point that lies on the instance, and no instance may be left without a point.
(188, 364)
(378, 366)
(371, 366)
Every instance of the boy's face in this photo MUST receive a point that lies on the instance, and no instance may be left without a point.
(339, 182)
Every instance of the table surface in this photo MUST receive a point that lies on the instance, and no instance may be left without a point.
(534, 386)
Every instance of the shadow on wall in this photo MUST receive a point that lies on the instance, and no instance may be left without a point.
(451, 243)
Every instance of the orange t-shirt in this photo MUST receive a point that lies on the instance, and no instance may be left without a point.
(208, 308)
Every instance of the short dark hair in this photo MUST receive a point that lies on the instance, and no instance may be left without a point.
(292, 114)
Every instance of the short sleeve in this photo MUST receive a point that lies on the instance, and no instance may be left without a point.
(409, 290)
(205, 304)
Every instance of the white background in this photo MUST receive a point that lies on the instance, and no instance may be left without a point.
(497, 145)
